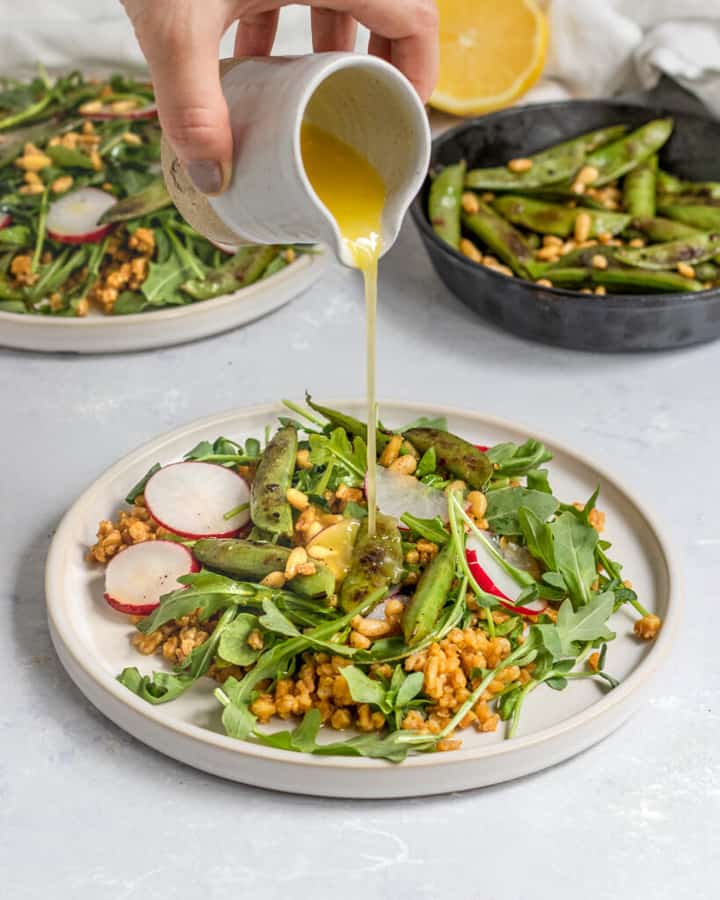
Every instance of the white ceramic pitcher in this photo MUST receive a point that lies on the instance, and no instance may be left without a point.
(362, 100)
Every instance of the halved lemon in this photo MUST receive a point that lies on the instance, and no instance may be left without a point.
(490, 53)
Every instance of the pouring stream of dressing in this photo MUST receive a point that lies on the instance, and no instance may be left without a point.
(354, 194)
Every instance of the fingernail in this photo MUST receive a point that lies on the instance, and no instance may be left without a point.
(206, 175)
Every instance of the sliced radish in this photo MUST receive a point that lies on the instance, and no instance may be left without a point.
(73, 219)
(136, 579)
(483, 448)
(192, 498)
(5, 220)
(398, 494)
(493, 579)
(105, 112)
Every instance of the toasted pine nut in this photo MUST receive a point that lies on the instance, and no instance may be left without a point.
(520, 165)
(391, 451)
(600, 290)
(406, 465)
(297, 499)
(372, 628)
(467, 248)
(412, 557)
(302, 459)
(549, 254)
(685, 270)
(298, 557)
(604, 237)
(307, 568)
(133, 139)
(568, 247)
(637, 242)
(123, 106)
(544, 282)
(33, 162)
(393, 608)
(599, 261)
(470, 202)
(587, 175)
(487, 197)
(578, 187)
(478, 503)
(552, 240)
(274, 580)
(62, 184)
(313, 529)
(583, 223)
(359, 640)
(92, 106)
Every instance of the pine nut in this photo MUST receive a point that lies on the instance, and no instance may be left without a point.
(599, 262)
(467, 248)
(392, 449)
(552, 240)
(548, 254)
(544, 282)
(298, 557)
(637, 242)
(604, 237)
(685, 270)
(318, 552)
(406, 465)
(302, 459)
(297, 499)
(274, 580)
(600, 290)
(520, 165)
(478, 503)
(470, 202)
(583, 224)
(587, 175)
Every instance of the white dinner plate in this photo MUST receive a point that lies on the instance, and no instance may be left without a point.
(99, 333)
(93, 643)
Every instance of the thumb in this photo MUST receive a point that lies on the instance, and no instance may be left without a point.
(191, 106)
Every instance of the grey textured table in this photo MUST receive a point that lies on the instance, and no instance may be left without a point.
(87, 813)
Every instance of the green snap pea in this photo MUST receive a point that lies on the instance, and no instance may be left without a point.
(552, 165)
(150, 199)
(376, 564)
(242, 269)
(550, 218)
(269, 508)
(616, 159)
(453, 453)
(706, 218)
(500, 236)
(664, 230)
(353, 426)
(707, 271)
(582, 257)
(421, 613)
(642, 281)
(444, 203)
(696, 249)
(570, 277)
(69, 159)
(639, 189)
(670, 184)
(248, 560)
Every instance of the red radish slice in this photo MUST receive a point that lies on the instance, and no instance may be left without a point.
(398, 494)
(482, 448)
(105, 113)
(192, 498)
(493, 579)
(73, 219)
(5, 220)
(136, 578)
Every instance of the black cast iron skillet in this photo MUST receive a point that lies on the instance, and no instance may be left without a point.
(557, 316)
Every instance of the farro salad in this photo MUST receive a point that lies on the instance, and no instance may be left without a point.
(253, 563)
(85, 219)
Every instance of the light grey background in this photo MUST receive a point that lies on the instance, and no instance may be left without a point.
(87, 813)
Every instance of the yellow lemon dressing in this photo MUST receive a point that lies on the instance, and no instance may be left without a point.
(354, 194)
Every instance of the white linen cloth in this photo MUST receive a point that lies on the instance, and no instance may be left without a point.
(597, 47)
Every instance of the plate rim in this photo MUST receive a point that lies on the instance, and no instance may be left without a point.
(638, 678)
(64, 323)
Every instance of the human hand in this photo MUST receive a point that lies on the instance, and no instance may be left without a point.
(181, 40)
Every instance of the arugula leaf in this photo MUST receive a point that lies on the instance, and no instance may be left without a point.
(439, 422)
(337, 448)
(137, 489)
(430, 529)
(363, 689)
(273, 620)
(409, 689)
(538, 536)
(573, 628)
(513, 459)
(538, 480)
(234, 647)
(427, 464)
(129, 303)
(503, 507)
(574, 547)
(237, 719)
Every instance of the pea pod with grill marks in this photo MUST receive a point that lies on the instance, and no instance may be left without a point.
(663, 230)
(353, 426)
(553, 165)
(269, 508)
(620, 157)
(639, 189)
(705, 218)
(376, 564)
(643, 281)
(502, 238)
(696, 249)
(444, 203)
(551, 218)
(459, 457)
(422, 611)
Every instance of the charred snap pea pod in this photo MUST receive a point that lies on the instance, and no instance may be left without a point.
(643, 281)
(620, 157)
(353, 426)
(150, 199)
(582, 257)
(664, 230)
(376, 564)
(670, 184)
(444, 203)
(696, 249)
(707, 271)
(422, 611)
(688, 200)
(555, 164)
(639, 189)
(460, 458)
(706, 218)
(242, 269)
(569, 277)
(269, 508)
(253, 560)
(500, 236)
(549, 218)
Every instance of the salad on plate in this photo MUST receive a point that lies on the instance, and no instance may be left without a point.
(86, 224)
(253, 562)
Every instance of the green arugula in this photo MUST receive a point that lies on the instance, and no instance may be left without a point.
(574, 549)
(431, 529)
(137, 489)
(337, 449)
(512, 459)
(503, 508)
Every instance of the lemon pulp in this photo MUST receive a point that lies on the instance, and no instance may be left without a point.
(354, 194)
